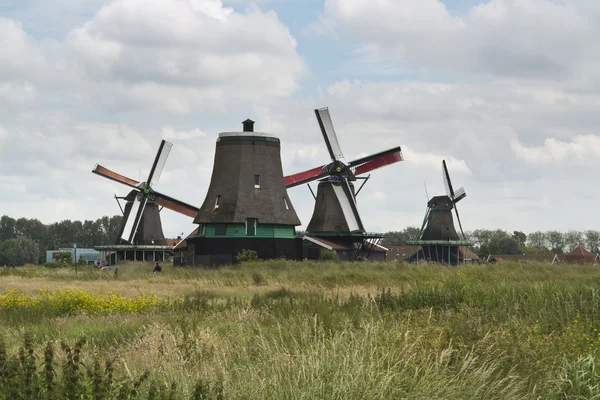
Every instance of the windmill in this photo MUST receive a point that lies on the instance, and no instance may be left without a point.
(336, 212)
(438, 238)
(246, 205)
(141, 219)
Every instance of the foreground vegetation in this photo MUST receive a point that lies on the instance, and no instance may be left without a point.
(299, 330)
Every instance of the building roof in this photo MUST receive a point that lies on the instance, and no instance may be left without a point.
(467, 254)
(172, 242)
(579, 250)
(183, 244)
(400, 253)
(545, 257)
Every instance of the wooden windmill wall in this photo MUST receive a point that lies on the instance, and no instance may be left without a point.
(246, 206)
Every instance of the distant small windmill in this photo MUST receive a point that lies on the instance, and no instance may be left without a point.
(438, 237)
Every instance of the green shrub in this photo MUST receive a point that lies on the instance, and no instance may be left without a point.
(328, 255)
(64, 259)
(246, 256)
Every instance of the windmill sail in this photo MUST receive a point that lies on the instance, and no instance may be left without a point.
(457, 195)
(159, 163)
(370, 163)
(130, 220)
(329, 135)
(447, 182)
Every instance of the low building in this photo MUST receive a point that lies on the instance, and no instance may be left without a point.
(401, 253)
(579, 255)
(90, 256)
(118, 253)
(539, 258)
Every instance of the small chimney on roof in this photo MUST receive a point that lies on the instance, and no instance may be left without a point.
(248, 125)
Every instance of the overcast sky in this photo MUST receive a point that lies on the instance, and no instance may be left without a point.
(507, 91)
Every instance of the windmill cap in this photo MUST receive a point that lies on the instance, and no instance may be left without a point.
(240, 134)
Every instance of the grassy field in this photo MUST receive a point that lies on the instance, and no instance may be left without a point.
(287, 330)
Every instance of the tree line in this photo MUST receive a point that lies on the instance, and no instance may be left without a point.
(498, 241)
(26, 240)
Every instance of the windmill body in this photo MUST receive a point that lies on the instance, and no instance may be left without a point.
(440, 223)
(149, 231)
(438, 238)
(335, 217)
(246, 206)
(141, 237)
(331, 213)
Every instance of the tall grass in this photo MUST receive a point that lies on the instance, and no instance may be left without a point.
(300, 330)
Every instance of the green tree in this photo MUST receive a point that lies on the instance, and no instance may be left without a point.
(7, 228)
(500, 244)
(411, 233)
(481, 237)
(400, 238)
(533, 250)
(393, 238)
(19, 251)
(573, 239)
(538, 239)
(592, 240)
(557, 241)
(520, 237)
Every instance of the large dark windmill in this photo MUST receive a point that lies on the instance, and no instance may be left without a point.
(141, 231)
(335, 216)
(439, 240)
(246, 207)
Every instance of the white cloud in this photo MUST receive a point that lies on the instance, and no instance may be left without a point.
(169, 133)
(123, 76)
(582, 148)
(210, 54)
(524, 38)
(18, 93)
(132, 56)
(434, 161)
(376, 196)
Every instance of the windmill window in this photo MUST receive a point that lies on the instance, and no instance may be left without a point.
(287, 206)
(256, 181)
(217, 201)
(220, 229)
(251, 226)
